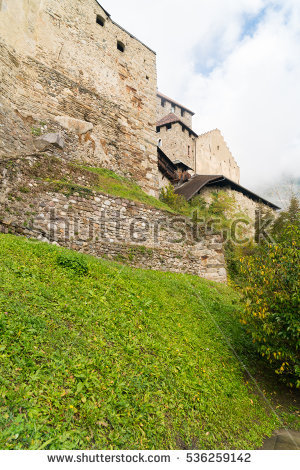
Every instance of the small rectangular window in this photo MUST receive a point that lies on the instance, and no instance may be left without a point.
(163, 102)
(182, 112)
(169, 126)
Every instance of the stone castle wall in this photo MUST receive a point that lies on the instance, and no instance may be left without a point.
(214, 157)
(58, 64)
(178, 144)
(242, 203)
(101, 225)
(163, 109)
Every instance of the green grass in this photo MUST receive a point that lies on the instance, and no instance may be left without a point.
(96, 355)
(115, 185)
(73, 178)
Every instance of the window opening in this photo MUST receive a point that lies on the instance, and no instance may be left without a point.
(120, 46)
(100, 20)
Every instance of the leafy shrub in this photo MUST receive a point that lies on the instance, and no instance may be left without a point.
(233, 255)
(173, 200)
(271, 292)
(76, 263)
(289, 217)
(222, 205)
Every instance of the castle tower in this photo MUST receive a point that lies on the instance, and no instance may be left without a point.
(68, 63)
(175, 135)
(207, 154)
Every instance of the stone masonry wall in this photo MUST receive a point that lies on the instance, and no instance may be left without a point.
(178, 144)
(62, 71)
(214, 157)
(162, 111)
(242, 203)
(101, 225)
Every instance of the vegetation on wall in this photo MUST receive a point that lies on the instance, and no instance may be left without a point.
(173, 200)
(54, 174)
(220, 214)
(111, 183)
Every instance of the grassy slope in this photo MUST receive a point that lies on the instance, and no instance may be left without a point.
(118, 358)
(110, 183)
(70, 178)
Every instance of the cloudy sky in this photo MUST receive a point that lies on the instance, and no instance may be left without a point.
(236, 63)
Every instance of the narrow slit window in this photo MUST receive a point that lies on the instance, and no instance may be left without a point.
(100, 20)
(159, 143)
(173, 108)
(120, 46)
(189, 148)
(182, 112)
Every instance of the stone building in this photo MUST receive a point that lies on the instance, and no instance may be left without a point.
(66, 66)
(167, 106)
(77, 87)
(177, 140)
(204, 154)
(214, 157)
(209, 166)
(246, 201)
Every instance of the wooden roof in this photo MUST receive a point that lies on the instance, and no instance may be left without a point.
(197, 182)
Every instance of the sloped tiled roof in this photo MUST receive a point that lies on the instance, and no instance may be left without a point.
(197, 182)
(167, 119)
(174, 102)
(172, 118)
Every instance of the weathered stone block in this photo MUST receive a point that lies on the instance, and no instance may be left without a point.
(53, 138)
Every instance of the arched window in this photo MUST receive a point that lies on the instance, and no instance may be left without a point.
(159, 143)
(100, 20)
(120, 46)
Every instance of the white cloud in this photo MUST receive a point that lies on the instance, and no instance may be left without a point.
(237, 65)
